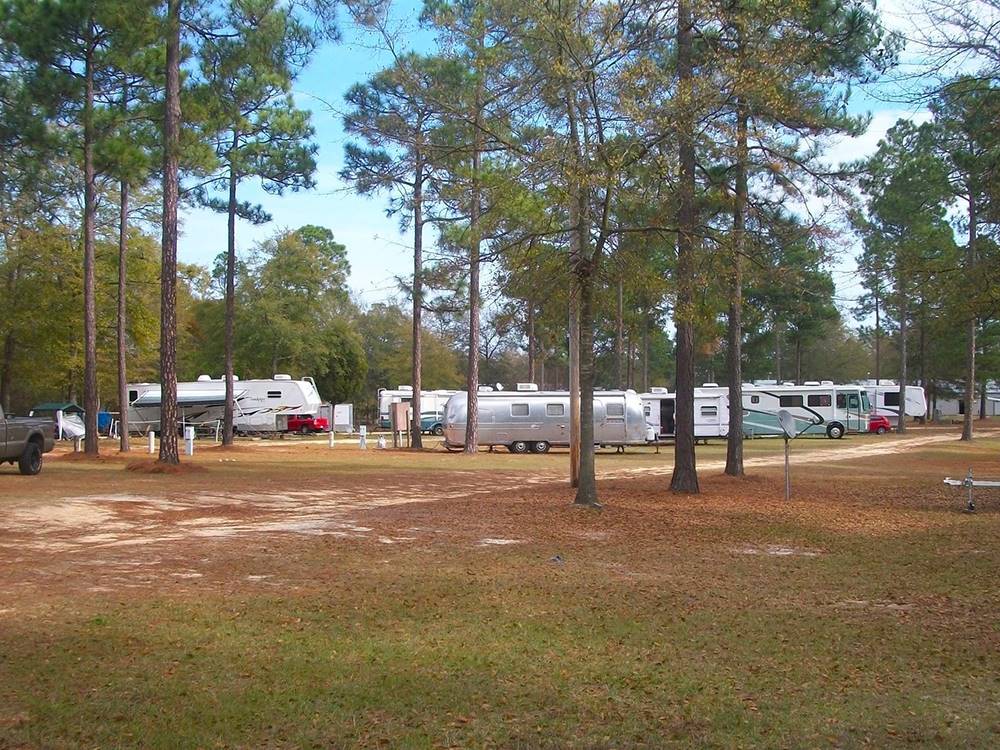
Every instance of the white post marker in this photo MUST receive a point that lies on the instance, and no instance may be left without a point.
(787, 422)
(381, 442)
(189, 440)
(331, 439)
(151, 437)
(363, 437)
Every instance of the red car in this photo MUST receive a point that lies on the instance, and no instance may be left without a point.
(305, 424)
(879, 424)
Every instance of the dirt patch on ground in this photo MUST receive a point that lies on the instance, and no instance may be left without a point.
(105, 529)
(152, 466)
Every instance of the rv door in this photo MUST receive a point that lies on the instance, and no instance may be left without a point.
(667, 425)
(614, 422)
(855, 415)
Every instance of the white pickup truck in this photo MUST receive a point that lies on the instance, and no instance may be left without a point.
(24, 440)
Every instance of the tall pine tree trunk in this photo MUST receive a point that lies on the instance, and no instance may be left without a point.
(577, 248)
(475, 236)
(878, 337)
(416, 375)
(586, 493)
(777, 351)
(530, 325)
(970, 341)
(903, 353)
(685, 474)
(123, 437)
(9, 339)
(168, 271)
(645, 352)
(734, 352)
(230, 325)
(620, 335)
(90, 398)
(982, 399)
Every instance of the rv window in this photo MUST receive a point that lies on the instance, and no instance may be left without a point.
(790, 400)
(820, 399)
(755, 399)
(555, 410)
(853, 401)
(519, 410)
(132, 396)
(841, 401)
(709, 411)
(616, 410)
(891, 398)
(274, 394)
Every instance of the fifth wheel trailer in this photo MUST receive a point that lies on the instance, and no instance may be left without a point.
(262, 405)
(536, 420)
(884, 398)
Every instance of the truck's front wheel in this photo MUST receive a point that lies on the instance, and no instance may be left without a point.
(30, 462)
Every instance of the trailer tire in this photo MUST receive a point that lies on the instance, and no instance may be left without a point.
(518, 446)
(835, 431)
(542, 446)
(30, 462)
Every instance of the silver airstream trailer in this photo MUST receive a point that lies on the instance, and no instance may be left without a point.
(534, 421)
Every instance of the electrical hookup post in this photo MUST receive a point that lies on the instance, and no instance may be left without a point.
(787, 422)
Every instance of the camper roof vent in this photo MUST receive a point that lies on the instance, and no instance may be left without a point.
(485, 389)
(709, 385)
(826, 382)
(811, 382)
(204, 378)
(749, 385)
(658, 389)
(527, 387)
(788, 382)
(405, 388)
(282, 376)
(235, 378)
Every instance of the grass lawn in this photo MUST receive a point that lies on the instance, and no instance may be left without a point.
(213, 609)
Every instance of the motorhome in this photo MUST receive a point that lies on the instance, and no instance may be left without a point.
(884, 397)
(262, 405)
(818, 407)
(525, 420)
(430, 401)
(711, 413)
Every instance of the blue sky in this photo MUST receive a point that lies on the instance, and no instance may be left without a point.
(376, 249)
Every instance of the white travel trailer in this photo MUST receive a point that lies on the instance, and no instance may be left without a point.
(534, 421)
(817, 407)
(884, 398)
(430, 401)
(711, 412)
(261, 405)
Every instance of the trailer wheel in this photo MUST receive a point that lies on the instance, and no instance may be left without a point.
(438, 430)
(541, 446)
(835, 431)
(518, 446)
(30, 462)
